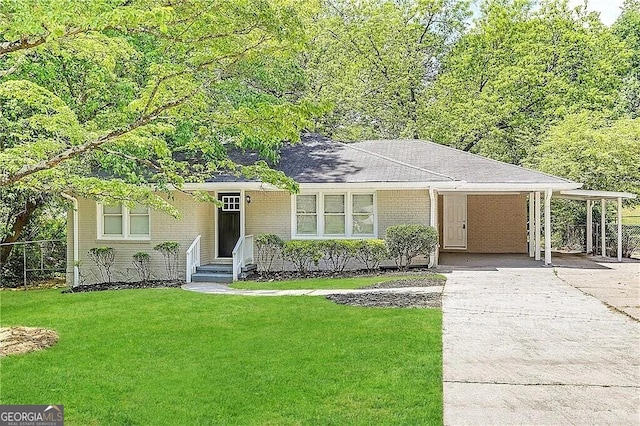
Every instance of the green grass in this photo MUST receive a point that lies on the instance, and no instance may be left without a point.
(631, 216)
(327, 283)
(173, 357)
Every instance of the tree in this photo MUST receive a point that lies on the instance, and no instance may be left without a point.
(520, 70)
(372, 60)
(593, 149)
(145, 93)
(627, 28)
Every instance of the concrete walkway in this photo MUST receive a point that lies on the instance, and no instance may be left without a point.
(215, 288)
(521, 346)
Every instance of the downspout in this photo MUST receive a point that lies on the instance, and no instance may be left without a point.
(76, 258)
(433, 221)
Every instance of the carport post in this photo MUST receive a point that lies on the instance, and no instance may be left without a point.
(537, 220)
(547, 227)
(603, 225)
(589, 227)
(619, 229)
(532, 245)
(433, 221)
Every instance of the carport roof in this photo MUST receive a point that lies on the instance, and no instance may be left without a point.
(585, 194)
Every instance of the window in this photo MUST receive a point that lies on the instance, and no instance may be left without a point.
(120, 222)
(306, 215)
(363, 214)
(334, 215)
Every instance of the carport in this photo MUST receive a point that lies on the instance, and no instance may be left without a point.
(590, 197)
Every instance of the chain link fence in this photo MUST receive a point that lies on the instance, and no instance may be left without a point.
(33, 261)
(574, 238)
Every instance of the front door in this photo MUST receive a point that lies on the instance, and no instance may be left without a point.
(455, 221)
(228, 223)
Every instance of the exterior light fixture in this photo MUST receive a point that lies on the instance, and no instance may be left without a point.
(248, 199)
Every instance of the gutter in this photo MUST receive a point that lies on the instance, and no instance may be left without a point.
(76, 258)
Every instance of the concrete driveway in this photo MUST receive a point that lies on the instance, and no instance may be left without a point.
(522, 346)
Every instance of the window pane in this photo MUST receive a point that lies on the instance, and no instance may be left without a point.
(307, 225)
(112, 225)
(334, 224)
(363, 203)
(334, 203)
(363, 224)
(139, 210)
(139, 225)
(112, 209)
(306, 203)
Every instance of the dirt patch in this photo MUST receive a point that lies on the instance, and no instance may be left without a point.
(408, 282)
(389, 300)
(21, 340)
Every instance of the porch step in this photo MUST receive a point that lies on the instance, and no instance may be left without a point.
(212, 277)
(215, 267)
(219, 273)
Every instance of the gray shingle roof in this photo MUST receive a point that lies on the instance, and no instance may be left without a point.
(316, 159)
(457, 164)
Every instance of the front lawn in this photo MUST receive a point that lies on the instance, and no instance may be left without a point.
(328, 283)
(175, 357)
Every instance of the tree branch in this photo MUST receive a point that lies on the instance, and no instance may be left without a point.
(74, 151)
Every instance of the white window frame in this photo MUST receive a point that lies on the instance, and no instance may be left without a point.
(321, 214)
(126, 223)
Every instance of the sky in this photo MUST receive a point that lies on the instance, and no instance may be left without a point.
(609, 9)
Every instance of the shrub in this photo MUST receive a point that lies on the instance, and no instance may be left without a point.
(302, 253)
(408, 241)
(104, 258)
(169, 250)
(141, 261)
(269, 247)
(337, 253)
(371, 252)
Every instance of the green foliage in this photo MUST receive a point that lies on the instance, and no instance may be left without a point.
(405, 242)
(142, 265)
(302, 253)
(146, 95)
(373, 61)
(325, 283)
(170, 252)
(518, 71)
(104, 257)
(337, 253)
(269, 247)
(371, 252)
(589, 148)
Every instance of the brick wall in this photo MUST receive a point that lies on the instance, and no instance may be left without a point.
(495, 223)
(268, 213)
(197, 218)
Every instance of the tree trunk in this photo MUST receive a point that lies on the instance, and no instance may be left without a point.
(22, 219)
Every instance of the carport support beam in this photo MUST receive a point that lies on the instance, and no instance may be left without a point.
(433, 221)
(589, 227)
(532, 244)
(547, 227)
(619, 229)
(603, 225)
(537, 225)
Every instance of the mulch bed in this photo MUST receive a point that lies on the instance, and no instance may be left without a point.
(389, 300)
(125, 286)
(408, 282)
(295, 275)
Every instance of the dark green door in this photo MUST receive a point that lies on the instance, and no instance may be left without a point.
(228, 223)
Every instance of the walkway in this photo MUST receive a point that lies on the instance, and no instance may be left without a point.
(521, 346)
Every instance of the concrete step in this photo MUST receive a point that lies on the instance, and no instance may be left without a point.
(212, 277)
(215, 267)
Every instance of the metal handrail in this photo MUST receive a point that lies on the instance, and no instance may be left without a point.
(193, 258)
